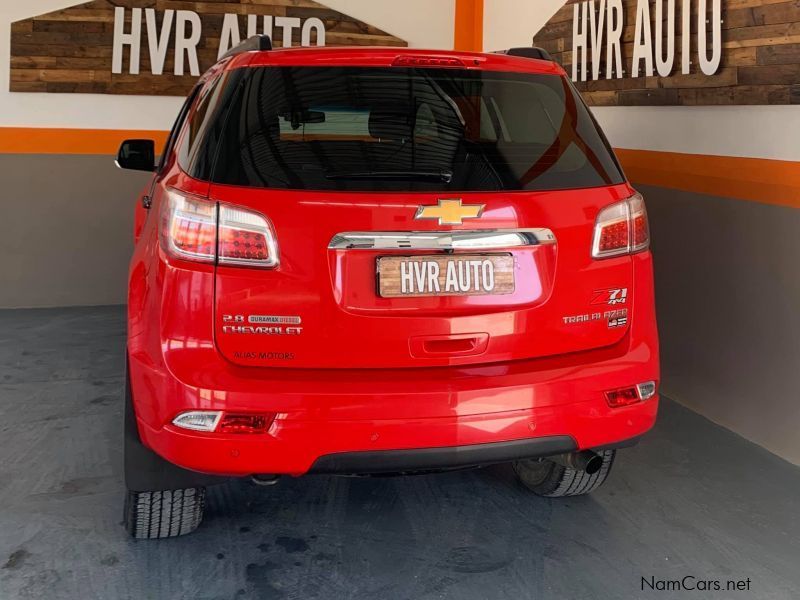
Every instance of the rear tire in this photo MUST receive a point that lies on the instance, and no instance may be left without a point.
(164, 514)
(163, 500)
(551, 480)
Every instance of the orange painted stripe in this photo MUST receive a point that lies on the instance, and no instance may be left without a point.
(759, 180)
(756, 179)
(35, 140)
(469, 25)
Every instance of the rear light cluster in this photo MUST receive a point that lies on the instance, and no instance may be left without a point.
(621, 229)
(215, 421)
(631, 395)
(204, 231)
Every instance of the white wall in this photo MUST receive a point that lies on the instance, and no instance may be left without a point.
(422, 23)
(771, 132)
(513, 23)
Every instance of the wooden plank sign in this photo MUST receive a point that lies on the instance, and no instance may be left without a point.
(160, 47)
(448, 275)
(678, 52)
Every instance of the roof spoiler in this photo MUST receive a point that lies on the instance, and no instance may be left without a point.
(257, 43)
(527, 52)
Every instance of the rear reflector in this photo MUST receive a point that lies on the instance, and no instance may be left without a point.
(631, 395)
(428, 61)
(200, 230)
(621, 229)
(623, 397)
(246, 423)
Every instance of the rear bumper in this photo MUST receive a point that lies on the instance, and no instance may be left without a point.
(323, 416)
(379, 446)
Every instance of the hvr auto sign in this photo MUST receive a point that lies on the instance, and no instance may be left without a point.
(186, 27)
(599, 26)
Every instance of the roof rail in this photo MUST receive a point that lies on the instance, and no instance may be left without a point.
(257, 43)
(527, 52)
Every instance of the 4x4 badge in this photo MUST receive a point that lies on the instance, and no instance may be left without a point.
(450, 212)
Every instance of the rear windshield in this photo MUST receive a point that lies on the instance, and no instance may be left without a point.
(399, 129)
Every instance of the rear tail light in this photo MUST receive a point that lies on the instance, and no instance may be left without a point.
(621, 229)
(246, 238)
(200, 230)
(189, 227)
(212, 421)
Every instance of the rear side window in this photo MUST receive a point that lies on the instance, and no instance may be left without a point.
(176, 129)
(207, 110)
(398, 129)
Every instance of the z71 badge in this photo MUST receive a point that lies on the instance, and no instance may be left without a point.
(251, 325)
(610, 296)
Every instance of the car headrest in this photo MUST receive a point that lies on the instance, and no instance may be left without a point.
(394, 124)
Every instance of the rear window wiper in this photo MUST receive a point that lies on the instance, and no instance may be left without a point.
(442, 176)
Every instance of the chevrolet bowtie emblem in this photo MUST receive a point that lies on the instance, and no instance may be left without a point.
(450, 212)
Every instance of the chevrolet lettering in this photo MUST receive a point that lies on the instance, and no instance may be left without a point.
(261, 330)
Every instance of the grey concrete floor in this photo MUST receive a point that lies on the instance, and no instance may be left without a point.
(691, 499)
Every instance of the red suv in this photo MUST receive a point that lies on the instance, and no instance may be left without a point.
(382, 261)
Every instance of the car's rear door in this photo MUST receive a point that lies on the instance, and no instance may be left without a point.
(411, 228)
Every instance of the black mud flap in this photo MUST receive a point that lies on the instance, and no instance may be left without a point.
(146, 471)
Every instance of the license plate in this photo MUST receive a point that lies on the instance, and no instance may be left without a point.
(454, 275)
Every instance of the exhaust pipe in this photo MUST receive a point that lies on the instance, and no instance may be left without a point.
(264, 480)
(586, 460)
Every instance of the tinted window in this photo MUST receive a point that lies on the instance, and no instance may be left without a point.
(394, 129)
(198, 146)
(176, 128)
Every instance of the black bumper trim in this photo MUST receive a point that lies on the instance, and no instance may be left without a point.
(629, 443)
(436, 459)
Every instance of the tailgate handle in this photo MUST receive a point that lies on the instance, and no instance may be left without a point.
(439, 346)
